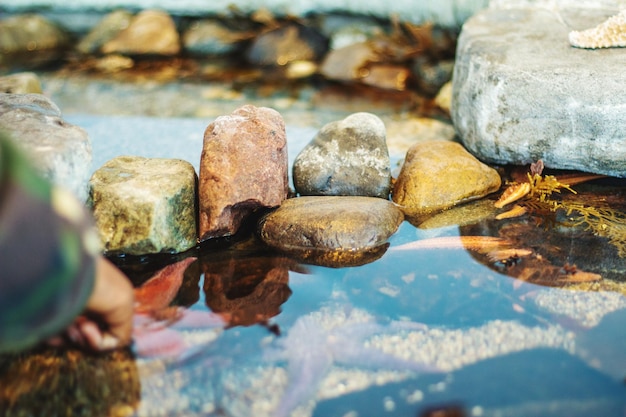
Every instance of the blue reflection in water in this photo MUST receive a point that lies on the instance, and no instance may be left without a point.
(506, 347)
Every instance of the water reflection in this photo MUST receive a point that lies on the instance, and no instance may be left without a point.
(506, 346)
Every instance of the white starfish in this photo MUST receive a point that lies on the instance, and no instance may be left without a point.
(310, 350)
(609, 34)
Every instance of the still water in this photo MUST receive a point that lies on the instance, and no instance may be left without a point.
(443, 328)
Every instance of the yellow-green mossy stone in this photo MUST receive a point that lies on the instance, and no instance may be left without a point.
(440, 174)
(145, 205)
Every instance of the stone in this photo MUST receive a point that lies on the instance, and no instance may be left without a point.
(346, 157)
(525, 94)
(20, 83)
(243, 168)
(289, 43)
(406, 130)
(438, 175)
(31, 40)
(59, 150)
(150, 32)
(144, 205)
(212, 37)
(331, 230)
(106, 30)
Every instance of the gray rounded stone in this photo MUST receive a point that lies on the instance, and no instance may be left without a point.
(346, 157)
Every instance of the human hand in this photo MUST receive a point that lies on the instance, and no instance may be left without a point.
(107, 320)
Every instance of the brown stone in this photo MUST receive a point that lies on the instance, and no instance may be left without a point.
(440, 174)
(243, 168)
(151, 32)
(332, 230)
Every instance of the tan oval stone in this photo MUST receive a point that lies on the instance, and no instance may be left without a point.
(151, 32)
(438, 175)
(332, 230)
(145, 205)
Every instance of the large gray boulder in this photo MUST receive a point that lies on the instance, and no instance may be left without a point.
(521, 92)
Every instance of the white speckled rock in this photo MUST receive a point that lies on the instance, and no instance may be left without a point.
(524, 94)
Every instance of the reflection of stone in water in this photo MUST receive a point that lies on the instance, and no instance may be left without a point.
(250, 289)
(50, 382)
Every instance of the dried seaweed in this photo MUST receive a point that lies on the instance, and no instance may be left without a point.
(538, 196)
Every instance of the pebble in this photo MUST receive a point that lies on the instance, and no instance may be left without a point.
(212, 37)
(150, 32)
(58, 149)
(286, 44)
(106, 30)
(331, 231)
(438, 175)
(20, 83)
(346, 157)
(243, 168)
(31, 40)
(406, 130)
(144, 205)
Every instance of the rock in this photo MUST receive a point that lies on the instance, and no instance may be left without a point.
(106, 30)
(243, 168)
(30, 40)
(348, 63)
(438, 175)
(150, 32)
(432, 75)
(344, 30)
(525, 94)
(332, 231)
(443, 100)
(212, 37)
(144, 205)
(346, 157)
(59, 150)
(286, 44)
(21, 83)
(407, 130)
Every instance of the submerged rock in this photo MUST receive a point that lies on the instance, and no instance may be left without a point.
(59, 150)
(106, 30)
(243, 168)
(347, 157)
(145, 205)
(150, 32)
(212, 37)
(21, 83)
(440, 174)
(287, 44)
(31, 40)
(332, 231)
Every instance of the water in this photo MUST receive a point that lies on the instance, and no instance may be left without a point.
(417, 332)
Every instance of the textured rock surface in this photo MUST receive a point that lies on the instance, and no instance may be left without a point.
(21, 83)
(438, 175)
(334, 231)
(60, 150)
(243, 168)
(31, 38)
(150, 32)
(347, 157)
(106, 30)
(525, 94)
(145, 205)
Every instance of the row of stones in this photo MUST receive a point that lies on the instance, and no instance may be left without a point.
(342, 178)
(352, 48)
(149, 205)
